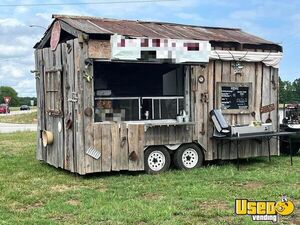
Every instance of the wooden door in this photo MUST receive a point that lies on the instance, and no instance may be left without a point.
(53, 95)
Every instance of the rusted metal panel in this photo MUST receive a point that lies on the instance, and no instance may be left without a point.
(93, 25)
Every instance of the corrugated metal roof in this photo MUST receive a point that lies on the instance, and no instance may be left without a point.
(94, 25)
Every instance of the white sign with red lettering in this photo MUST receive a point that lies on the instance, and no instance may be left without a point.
(178, 51)
(55, 35)
(7, 99)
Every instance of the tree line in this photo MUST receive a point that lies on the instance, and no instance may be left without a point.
(15, 99)
(289, 92)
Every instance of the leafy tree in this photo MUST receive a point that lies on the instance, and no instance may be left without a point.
(9, 91)
(289, 92)
(296, 89)
(27, 100)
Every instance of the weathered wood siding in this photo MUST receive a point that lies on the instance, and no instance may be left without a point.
(68, 90)
(99, 49)
(169, 135)
(121, 147)
(39, 67)
(264, 83)
(49, 95)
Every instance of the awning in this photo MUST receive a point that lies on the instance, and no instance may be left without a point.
(268, 58)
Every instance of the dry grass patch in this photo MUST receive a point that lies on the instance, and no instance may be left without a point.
(64, 188)
(73, 202)
(19, 207)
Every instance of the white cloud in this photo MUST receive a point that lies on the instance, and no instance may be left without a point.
(9, 70)
(21, 10)
(10, 22)
(9, 50)
(190, 16)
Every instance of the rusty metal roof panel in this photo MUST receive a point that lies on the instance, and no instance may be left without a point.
(85, 26)
(94, 25)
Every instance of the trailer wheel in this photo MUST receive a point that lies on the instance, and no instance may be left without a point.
(157, 159)
(188, 156)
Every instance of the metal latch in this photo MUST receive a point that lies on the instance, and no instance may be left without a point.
(74, 97)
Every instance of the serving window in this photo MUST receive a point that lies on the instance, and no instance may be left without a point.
(138, 91)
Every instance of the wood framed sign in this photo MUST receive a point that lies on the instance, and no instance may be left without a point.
(234, 98)
(267, 108)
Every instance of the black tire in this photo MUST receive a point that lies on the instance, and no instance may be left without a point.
(192, 151)
(160, 157)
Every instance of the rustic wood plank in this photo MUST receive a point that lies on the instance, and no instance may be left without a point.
(258, 98)
(226, 77)
(201, 107)
(141, 146)
(156, 135)
(116, 150)
(99, 49)
(194, 106)
(47, 102)
(123, 147)
(172, 138)
(164, 135)
(136, 147)
(252, 148)
(58, 98)
(178, 134)
(91, 164)
(106, 148)
(98, 143)
(265, 100)
(78, 114)
(149, 136)
(69, 86)
(274, 114)
(211, 145)
(66, 164)
(194, 88)
(39, 150)
(42, 98)
(218, 78)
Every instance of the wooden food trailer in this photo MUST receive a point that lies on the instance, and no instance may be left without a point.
(131, 95)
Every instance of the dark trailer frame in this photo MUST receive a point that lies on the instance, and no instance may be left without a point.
(68, 99)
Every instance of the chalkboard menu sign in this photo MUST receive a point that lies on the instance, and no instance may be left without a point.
(235, 97)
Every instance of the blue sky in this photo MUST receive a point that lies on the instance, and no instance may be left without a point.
(274, 20)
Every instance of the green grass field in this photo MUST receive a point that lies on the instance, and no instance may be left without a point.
(32, 192)
(21, 118)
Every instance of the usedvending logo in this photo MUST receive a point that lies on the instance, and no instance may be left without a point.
(264, 210)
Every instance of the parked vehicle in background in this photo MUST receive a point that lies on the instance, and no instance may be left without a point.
(4, 108)
(290, 122)
(24, 107)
